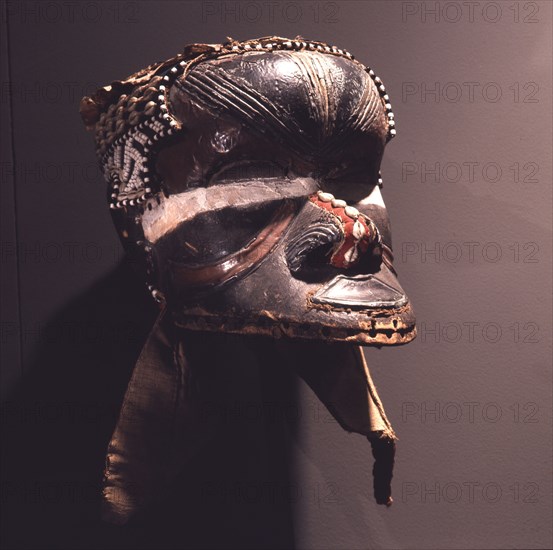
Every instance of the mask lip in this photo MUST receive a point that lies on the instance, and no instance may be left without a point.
(321, 297)
(378, 331)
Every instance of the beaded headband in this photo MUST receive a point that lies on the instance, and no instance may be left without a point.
(131, 117)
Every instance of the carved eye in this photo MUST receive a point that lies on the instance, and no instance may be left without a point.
(248, 170)
(213, 235)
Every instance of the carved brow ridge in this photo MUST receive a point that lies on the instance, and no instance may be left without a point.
(219, 90)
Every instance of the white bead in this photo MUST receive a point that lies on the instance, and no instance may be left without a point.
(351, 212)
(325, 197)
(338, 203)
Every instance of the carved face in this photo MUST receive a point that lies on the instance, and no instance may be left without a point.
(268, 217)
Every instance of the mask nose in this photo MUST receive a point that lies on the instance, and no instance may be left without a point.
(340, 237)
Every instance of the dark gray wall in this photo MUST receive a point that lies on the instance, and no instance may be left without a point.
(468, 185)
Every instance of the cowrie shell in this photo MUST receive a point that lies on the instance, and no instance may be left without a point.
(325, 197)
(351, 255)
(359, 230)
(351, 211)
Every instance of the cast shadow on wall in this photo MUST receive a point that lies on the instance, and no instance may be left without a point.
(57, 423)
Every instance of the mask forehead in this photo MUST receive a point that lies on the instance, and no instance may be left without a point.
(307, 98)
